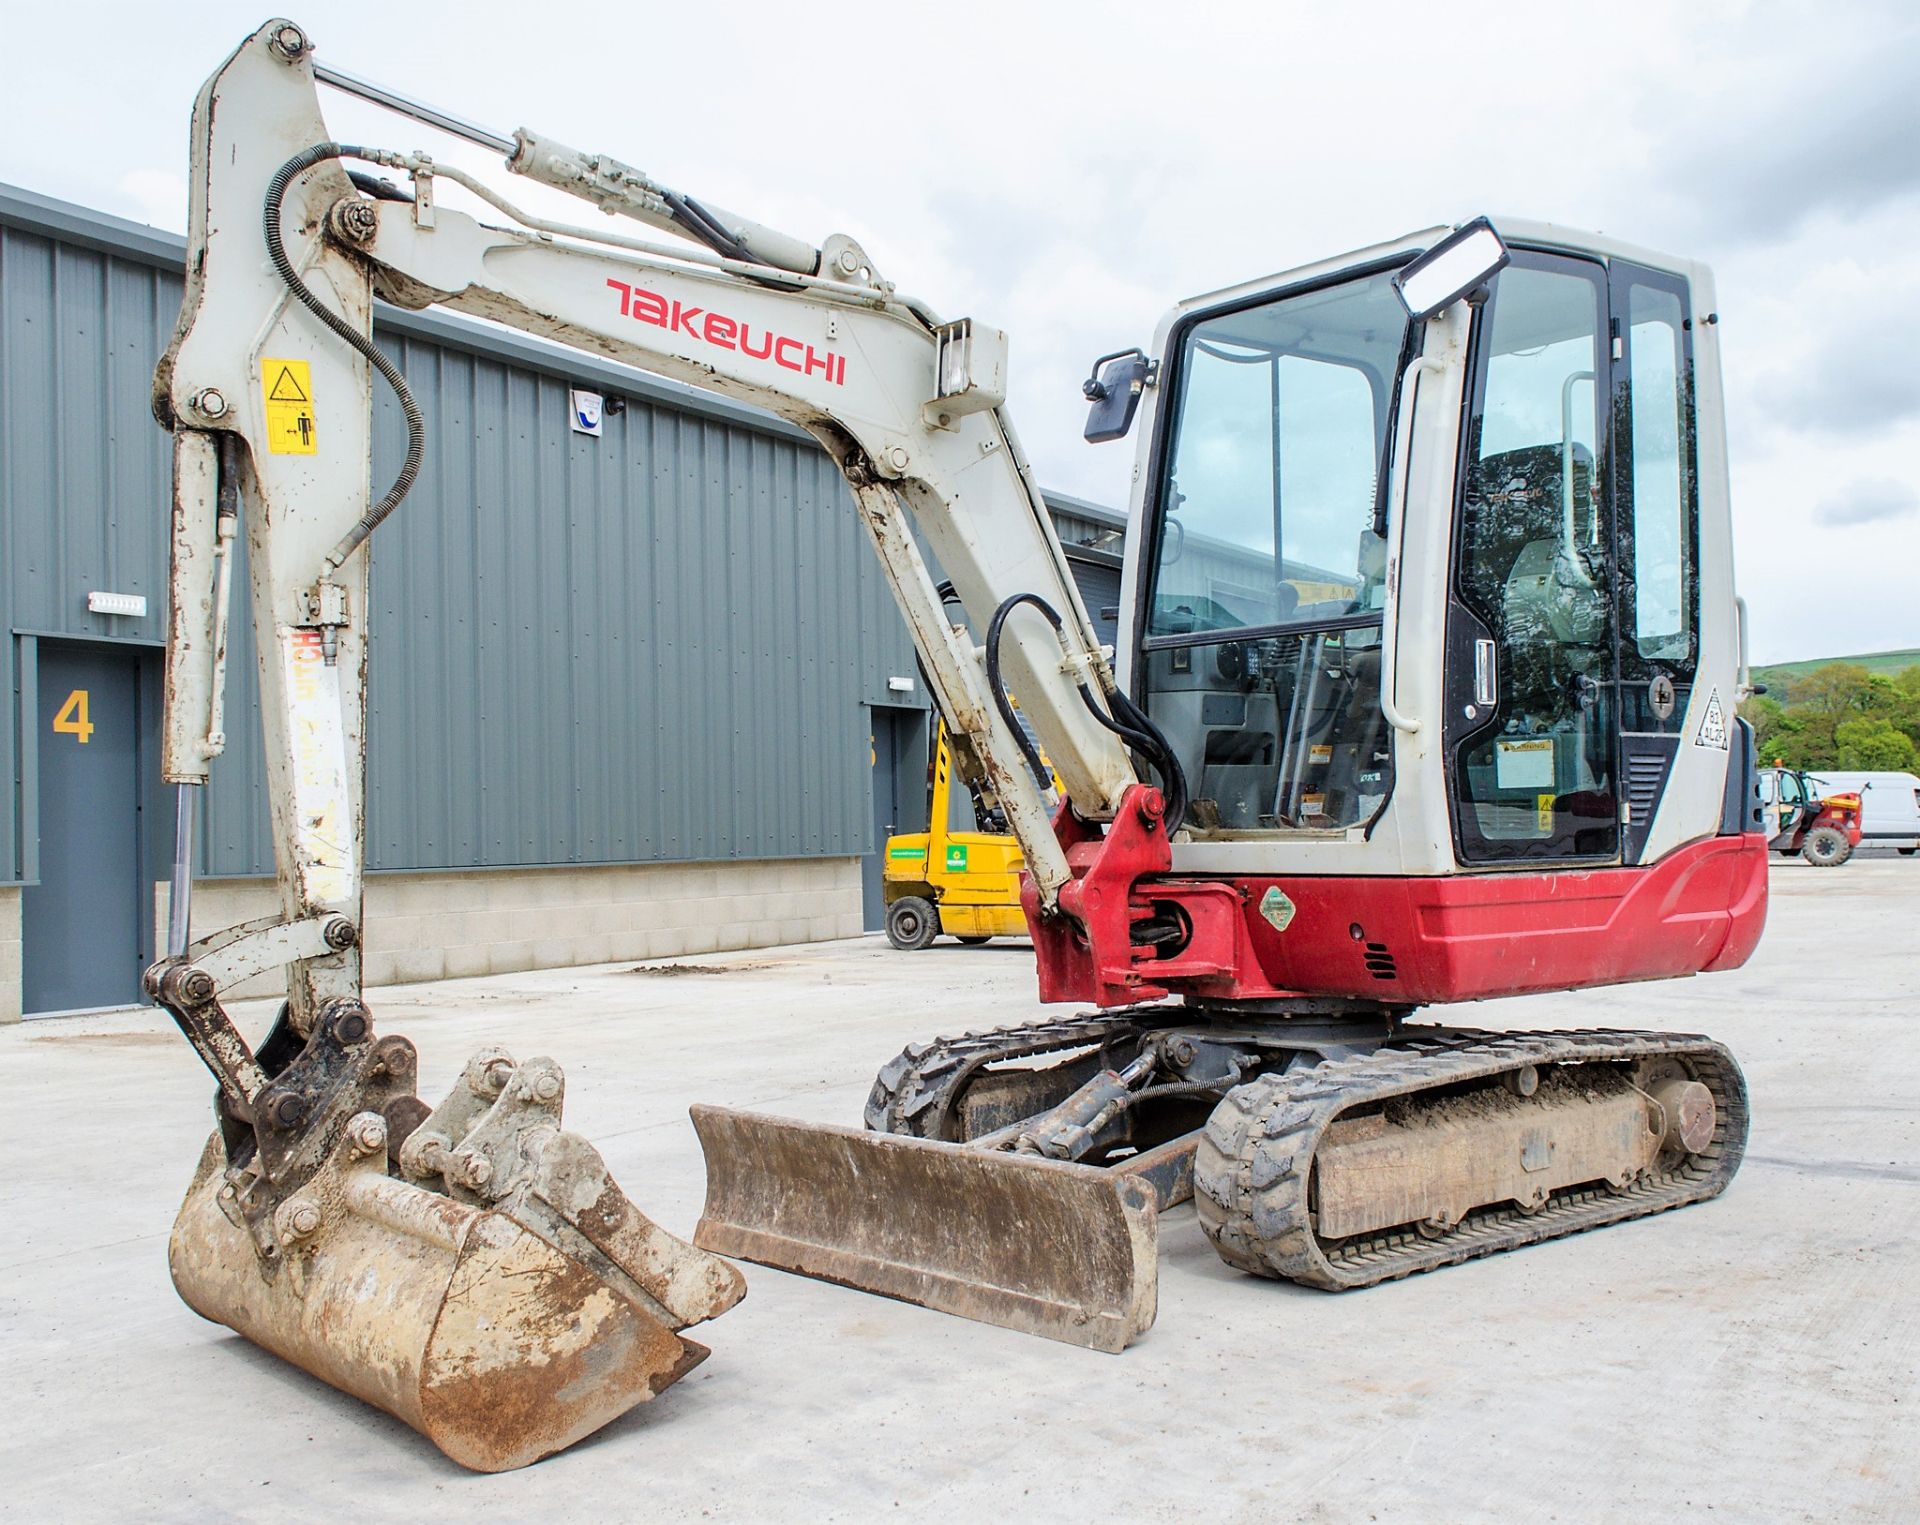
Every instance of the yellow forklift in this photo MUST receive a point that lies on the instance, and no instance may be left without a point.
(963, 883)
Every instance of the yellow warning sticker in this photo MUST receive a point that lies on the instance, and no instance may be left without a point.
(1543, 811)
(288, 389)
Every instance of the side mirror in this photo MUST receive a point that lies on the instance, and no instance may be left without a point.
(1114, 389)
(1466, 258)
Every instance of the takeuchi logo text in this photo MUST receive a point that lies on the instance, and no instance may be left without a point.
(723, 332)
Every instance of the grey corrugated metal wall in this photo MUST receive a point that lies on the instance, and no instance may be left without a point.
(83, 468)
(651, 645)
(654, 645)
(1092, 537)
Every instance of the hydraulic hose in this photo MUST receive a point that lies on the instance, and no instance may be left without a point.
(707, 228)
(1131, 723)
(1128, 721)
(997, 686)
(416, 425)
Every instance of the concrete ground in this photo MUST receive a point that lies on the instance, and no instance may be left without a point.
(1754, 1358)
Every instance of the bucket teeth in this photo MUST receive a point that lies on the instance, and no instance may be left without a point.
(500, 1294)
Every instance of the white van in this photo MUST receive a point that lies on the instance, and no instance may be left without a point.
(1889, 806)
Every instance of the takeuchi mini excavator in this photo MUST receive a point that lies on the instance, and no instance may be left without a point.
(1424, 694)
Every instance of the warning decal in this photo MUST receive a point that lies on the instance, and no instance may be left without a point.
(1277, 908)
(288, 389)
(1713, 725)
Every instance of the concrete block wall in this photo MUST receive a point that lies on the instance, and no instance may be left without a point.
(9, 953)
(451, 925)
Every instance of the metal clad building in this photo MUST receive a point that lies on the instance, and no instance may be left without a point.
(631, 695)
(1092, 537)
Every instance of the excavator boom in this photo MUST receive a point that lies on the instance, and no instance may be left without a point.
(474, 1270)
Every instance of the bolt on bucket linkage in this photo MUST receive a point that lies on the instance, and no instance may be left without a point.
(473, 1270)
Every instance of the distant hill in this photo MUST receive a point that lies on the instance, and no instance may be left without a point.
(1887, 662)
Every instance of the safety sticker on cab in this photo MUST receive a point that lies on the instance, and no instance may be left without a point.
(1713, 725)
(287, 387)
(1277, 908)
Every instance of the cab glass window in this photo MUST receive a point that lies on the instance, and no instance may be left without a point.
(1268, 514)
(1663, 528)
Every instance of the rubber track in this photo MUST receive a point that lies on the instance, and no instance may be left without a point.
(918, 1088)
(1255, 1160)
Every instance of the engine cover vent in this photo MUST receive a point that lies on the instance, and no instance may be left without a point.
(1646, 772)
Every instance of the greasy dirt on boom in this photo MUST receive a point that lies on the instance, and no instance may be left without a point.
(1253, 1175)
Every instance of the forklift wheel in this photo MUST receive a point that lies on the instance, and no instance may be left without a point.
(1826, 847)
(974, 942)
(912, 924)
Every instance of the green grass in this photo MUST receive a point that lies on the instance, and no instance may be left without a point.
(1886, 663)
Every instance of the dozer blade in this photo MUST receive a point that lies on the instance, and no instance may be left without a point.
(506, 1301)
(1040, 1246)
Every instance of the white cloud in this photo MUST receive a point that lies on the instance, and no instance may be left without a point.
(1870, 502)
(1066, 173)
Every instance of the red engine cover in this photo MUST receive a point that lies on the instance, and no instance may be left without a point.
(1416, 941)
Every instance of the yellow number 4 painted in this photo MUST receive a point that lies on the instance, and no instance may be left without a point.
(72, 719)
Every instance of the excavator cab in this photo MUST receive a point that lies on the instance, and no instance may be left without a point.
(1560, 663)
(1429, 628)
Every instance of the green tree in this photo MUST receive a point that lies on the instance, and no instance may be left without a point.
(1874, 746)
(1881, 699)
(1905, 711)
(1796, 743)
(1840, 715)
(1828, 696)
(1766, 715)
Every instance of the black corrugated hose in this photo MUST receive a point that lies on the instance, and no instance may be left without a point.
(416, 426)
(1128, 721)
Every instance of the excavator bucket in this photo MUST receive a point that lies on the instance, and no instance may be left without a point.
(1041, 1246)
(483, 1279)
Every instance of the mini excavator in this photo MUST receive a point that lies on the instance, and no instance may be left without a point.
(1424, 694)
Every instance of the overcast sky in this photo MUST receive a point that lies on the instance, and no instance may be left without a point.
(1067, 171)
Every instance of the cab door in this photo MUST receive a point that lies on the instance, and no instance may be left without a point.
(1533, 715)
(1573, 632)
